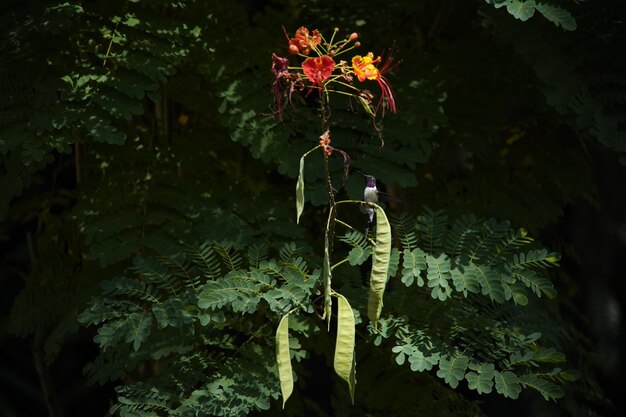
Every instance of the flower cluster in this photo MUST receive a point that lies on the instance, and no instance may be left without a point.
(321, 69)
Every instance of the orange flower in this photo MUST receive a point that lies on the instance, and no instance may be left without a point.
(318, 69)
(364, 68)
(302, 42)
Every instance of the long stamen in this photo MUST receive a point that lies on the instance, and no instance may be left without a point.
(387, 95)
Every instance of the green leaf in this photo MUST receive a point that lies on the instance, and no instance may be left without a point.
(394, 261)
(465, 280)
(549, 390)
(366, 106)
(344, 361)
(490, 282)
(507, 384)
(557, 15)
(358, 255)
(419, 362)
(283, 359)
(431, 228)
(549, 355)
(498, 3)
(517, 292)
(453, 370)
(413, 264)
(522, 10)
(438, 274)
(537, 283)
(170, 313)
(361, 249)
(139, 328)
(235, 289)
(300, 191)
(482, 379)
(380, 266)
(536, 259)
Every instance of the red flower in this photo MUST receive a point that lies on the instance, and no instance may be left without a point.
(318, 69)
(302, 42)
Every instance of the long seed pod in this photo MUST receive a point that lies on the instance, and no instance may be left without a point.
(380, 265)
(300, 191)
(283, 359)
(344, 362)
(327, 283)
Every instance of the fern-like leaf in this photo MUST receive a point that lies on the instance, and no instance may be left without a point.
(404, 225)
(463, 230)
(256, 254)
(231, 259)
(361, 249)
(289, 250)
(235, 290)
(205, 258)
(431, 227)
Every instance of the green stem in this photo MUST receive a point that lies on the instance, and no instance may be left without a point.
(324, 98)
(332, 38)
(108, 51)
(345, 84)
(355, 202)
(341, 92)
(309, 151)
(352, 228)
(343, 51)
(345, 224)
(338, 263)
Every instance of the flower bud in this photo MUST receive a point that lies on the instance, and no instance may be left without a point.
(293, 49)
(357, 44)
(353, 36)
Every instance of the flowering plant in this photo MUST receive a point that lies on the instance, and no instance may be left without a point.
(322, 69)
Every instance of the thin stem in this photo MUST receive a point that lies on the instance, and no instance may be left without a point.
(106, 56)
(345, 224)
(309, 151)
(338, 263)
(330, 225)
(330, 44)
(357, 231)
(345, 84)
(341, 92)
(355, 202)
(342, 51)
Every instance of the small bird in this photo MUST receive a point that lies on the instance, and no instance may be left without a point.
(370, 195)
